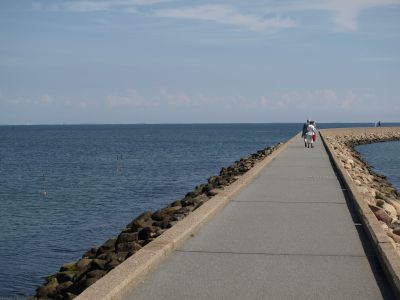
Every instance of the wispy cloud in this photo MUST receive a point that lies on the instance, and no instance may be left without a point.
(226, 14)
(92, 5)
(321, 99)
(46, 99)
(345, 13)
(179, 98)
(130, 98)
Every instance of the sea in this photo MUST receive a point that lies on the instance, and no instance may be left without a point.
(66, 188)
(384, 158)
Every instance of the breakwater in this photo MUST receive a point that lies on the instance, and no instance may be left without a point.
(75, 277)
(378, 193)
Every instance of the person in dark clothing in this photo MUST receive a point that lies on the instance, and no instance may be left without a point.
(304, 131)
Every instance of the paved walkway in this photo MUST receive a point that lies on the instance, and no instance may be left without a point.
(289, 235)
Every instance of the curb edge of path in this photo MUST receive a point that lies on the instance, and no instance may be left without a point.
(387, 256)
(124, 278)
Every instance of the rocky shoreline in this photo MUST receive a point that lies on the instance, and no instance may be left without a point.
(382, 198)
(73, 278)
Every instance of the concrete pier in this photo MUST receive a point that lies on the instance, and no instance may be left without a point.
(290, 234)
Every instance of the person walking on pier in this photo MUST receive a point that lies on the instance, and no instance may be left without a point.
(304, 131)
(314, 137)
(311, 131)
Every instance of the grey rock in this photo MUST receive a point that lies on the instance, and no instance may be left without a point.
(125, 237)
(63, 287)
(145, 233)
(98, 264)
(91, 253)
(83, 262)
(128, 247)
(65, 276)
(47, 290)
(96, 274)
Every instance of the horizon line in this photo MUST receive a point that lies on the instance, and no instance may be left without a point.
(194, 123)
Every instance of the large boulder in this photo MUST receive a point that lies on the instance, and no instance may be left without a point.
(107, 256)
(126, 237)
(113, 263)
(396, 231)
(162, 224)
(170, 210)
(199, 200)
(381, 215)
(65, 276)
(69, 296)
(128, 246)
(144, 220)
(213, 181)
(185, 210)
(98, 264)
(80, 286)
(96, 274)
(69, 267)
(176, 203)
(83, 262)
(91, 253)
(161, 215)
(63, 287)
(108, 246)
(146, 233)
(49, 290)
(395, 237)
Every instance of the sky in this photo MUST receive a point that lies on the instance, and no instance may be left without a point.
(166, 61)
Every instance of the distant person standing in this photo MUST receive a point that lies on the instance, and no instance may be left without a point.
(379, 123)
(311, 130)
(304, 131)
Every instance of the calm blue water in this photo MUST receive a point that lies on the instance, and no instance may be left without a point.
(98, 178)
(384, 158)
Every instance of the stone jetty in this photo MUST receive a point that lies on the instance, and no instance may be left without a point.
(73, 278)
(291, 233)
(380, 195)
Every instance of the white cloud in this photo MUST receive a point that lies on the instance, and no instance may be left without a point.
(93, 5)
(177, 99)
(319, 100)
(351, 100)
(345, 13)
(264, 101)
(130, 98)
(226, 14)
(46, 99)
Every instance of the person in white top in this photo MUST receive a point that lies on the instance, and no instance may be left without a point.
(311, 130)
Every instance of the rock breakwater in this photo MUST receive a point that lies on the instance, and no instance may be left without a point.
(73, 278)
(380, 195)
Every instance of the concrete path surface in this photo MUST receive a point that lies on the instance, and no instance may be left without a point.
(290, 234)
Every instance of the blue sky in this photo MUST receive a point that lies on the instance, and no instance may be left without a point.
(166, 61)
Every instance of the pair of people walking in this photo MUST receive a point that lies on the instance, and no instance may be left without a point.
(309, 134)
